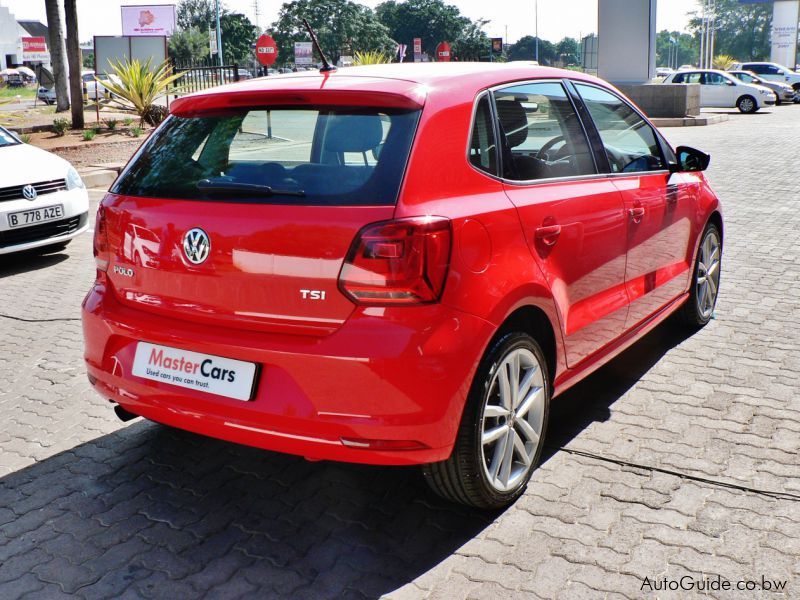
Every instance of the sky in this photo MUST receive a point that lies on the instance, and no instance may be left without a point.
(557, 18)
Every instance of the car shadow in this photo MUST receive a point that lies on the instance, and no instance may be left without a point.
(590, 400)
(24, 262)
(149, 507)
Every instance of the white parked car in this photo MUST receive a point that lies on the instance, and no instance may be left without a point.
(721, 90)
(771, 71)
(43, 201)
(783, 91)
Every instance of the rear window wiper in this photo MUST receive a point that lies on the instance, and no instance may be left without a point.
(234, 187)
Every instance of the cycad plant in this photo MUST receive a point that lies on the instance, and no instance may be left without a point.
(139, 87)
(723, 62)
(371, 57)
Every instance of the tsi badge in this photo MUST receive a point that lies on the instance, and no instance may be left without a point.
(313, 294)
(124, 271)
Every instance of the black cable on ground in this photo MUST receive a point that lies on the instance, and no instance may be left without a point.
(57, 319)
(724, 484)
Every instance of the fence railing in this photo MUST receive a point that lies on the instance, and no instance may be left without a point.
(196, 78)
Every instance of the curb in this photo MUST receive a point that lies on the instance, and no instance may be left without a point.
(689, 121)
(94, 178)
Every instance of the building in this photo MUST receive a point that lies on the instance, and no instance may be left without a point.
(11, 47)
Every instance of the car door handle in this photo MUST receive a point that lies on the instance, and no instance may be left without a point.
(548, 234)
(636, 214)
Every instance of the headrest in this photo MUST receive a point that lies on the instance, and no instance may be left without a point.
(513, 120)
(353, 133)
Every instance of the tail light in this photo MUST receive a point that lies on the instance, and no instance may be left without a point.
(398, 262)
(100, 245)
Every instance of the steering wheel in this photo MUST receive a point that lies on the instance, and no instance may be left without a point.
(544, 151)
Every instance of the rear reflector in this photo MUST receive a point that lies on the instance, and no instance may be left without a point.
(100, 244)
(398, 262)
(382, 444)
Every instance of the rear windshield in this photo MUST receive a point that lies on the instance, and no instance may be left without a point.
(309, 155)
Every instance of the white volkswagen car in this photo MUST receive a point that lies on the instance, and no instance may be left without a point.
(721, 90)
(43, 201)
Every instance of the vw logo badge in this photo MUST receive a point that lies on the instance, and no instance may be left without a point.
(196, 245)
(29, 192)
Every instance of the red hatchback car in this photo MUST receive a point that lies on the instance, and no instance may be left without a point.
(399, 264)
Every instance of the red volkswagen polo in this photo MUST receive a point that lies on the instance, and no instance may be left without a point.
(400, 264)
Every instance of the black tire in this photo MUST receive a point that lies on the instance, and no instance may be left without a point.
(691, 312)
(747, 105)
(462, 477)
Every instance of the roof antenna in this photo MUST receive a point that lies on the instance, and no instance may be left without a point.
(326, 66)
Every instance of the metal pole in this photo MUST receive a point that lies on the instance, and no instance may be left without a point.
(713, 32)
(703, 35)
(536, 7)
(219, 35)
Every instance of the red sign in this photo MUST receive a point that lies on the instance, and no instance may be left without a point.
(34, 49)
(443, 52)
(417, 49)
(266, 50)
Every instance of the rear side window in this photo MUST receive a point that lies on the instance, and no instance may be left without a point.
(630, 142)
(483, 146)
(310, 155)
(543, 136)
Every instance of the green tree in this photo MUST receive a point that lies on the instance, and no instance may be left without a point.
(742, 30)
(189, 45)
(688, 49)
(238, 33)
(431, 20)
(567, 50)
(525, 49)
(342, 27)
(472, 43)
(197, 13)
(238, 36)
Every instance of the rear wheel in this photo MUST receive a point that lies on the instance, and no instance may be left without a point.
(747, 104)
(699, 308)
(502, 430)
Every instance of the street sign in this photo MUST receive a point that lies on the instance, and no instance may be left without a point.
(497, 45)
(159, 19)
(303, 53)
(34, 49)
(212, 40)
(417, 49)
(266, 50)
(443, 52)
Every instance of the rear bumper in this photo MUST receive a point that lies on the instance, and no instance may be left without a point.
(391, 383)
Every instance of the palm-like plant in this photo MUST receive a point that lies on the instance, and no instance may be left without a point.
(723, 62)
(139, 87)
(371, 57)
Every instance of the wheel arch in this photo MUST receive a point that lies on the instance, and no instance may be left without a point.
(533, 320)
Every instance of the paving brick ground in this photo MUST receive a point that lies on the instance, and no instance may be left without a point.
(96, 509)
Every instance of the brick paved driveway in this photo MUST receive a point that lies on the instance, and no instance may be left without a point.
(97, 509)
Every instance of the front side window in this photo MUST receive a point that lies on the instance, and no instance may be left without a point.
(308, 155)
(715, 79)
(630, 142)
(746, 78)
(483, 147)
(544, 138)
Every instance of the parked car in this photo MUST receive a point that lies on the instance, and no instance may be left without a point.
(395, 264)
(771, 71)
(719, 89)
(664, 71)
(43, 202)
(91, 86)
(783, 91)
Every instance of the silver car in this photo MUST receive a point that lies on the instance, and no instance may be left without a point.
(783, 91)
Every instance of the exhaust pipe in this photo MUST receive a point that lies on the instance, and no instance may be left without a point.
(123, 414)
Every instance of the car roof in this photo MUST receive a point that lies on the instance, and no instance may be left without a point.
(458, 82)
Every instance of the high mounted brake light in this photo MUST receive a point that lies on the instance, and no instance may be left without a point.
(404, 261)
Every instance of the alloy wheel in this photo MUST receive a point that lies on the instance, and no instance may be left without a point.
(708, 272)
(746, 105)
(513, 418)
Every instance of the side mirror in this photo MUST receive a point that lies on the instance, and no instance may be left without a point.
(729, 82)
(691, 159)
